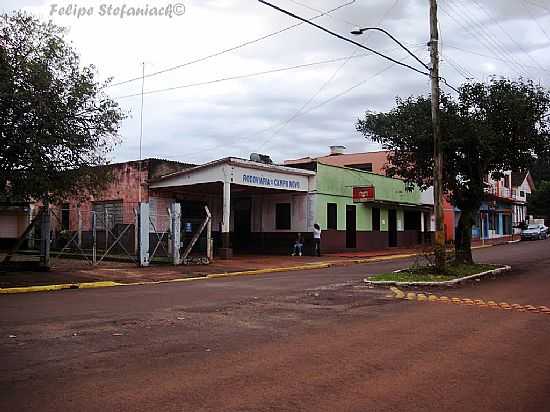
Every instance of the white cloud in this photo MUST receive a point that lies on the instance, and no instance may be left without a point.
(207, 122)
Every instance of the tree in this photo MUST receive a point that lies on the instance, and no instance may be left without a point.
(56, 124)
(488, 129)
(539, 201)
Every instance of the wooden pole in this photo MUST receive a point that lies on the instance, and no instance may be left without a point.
(439, 249)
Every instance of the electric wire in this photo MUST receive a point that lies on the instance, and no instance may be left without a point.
(326, 82)
(243, 76)
(485, 36)
(238, 46)
(342, 37)
(482, 41)
(535, 20)
(495, 21)
(486, 55)
(309, 110)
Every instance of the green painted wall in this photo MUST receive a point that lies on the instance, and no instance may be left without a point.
(335, 185)
(363, 213)
(340, 181)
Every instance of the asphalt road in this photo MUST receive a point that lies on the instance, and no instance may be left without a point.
(313, 341)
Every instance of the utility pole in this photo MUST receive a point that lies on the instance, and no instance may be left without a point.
(439, 249)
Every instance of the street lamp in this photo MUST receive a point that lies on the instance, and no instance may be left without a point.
(439, 249)
(359, 31)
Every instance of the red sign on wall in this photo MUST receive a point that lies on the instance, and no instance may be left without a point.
(363, 193)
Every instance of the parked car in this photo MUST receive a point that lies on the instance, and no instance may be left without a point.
(534, 231)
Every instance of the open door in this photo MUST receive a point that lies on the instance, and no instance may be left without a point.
(392, 227)
(351, 227)
(242, 227)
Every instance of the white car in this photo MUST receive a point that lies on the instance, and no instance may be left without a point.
(534, 231)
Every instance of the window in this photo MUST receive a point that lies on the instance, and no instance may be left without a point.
(412, 220)
(376, 219)
(282, 216)
(332, 216)
(522, 193)
(65, 216)
(111, 211)
(507, 181)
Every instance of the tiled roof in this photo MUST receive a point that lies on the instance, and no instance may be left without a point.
(378, 160)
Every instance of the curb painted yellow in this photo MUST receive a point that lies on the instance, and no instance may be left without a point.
(103, 284)
(51, 288)
(490, 304)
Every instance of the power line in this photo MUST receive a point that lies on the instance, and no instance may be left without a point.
(495, 21)
(535, 20)
(488, 37)
(342, 37)
(243, 76)
(326, 82)
(482, 40)
(487, 55)
(286, 122)
(312, 108)
(239, 46)
(538, 5)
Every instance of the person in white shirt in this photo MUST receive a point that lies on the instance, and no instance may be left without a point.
(317, 239)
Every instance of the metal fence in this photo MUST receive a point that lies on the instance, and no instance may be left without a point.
(150, 232)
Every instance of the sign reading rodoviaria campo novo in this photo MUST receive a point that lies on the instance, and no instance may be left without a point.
(271, 182)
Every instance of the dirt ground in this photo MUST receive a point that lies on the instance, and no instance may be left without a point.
(316, 340)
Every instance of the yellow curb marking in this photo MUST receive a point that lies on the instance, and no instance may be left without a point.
(421, 297)
(50, 288)
(102, 284)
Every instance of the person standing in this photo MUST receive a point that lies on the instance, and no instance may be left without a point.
(317, 239)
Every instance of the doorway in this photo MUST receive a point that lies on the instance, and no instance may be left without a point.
(242, 227)
(351, 227)
(392, 228)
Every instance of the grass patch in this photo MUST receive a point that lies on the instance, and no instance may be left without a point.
(429, 274)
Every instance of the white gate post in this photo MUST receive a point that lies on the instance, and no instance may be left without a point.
(175, 229)
(143, 230)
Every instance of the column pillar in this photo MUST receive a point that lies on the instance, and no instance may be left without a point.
(143, 230)
(226, 251)
(175, 231)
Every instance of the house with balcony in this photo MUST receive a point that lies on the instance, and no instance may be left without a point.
(505, 206)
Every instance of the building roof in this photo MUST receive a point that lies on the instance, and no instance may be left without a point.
(241, 162)
(519, 177)
(377, 159)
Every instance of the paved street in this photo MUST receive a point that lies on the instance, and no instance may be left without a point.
(315, 340)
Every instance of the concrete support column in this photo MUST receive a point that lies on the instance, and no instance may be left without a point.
(226, 251)
(143, 230)
(175, 229)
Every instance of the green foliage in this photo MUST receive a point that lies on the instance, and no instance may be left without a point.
(540, 169)
(488, 129)
(429, 273)
(56, 124)
(539, 202)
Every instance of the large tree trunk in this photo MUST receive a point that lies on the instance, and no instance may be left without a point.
(463, 237)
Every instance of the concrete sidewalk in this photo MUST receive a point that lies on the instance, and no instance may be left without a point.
(69, 272)
(65, 271)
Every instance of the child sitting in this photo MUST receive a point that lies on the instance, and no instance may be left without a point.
(298, 245)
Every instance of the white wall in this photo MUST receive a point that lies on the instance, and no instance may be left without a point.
(264, 206)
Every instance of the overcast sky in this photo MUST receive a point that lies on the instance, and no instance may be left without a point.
(292, 113)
